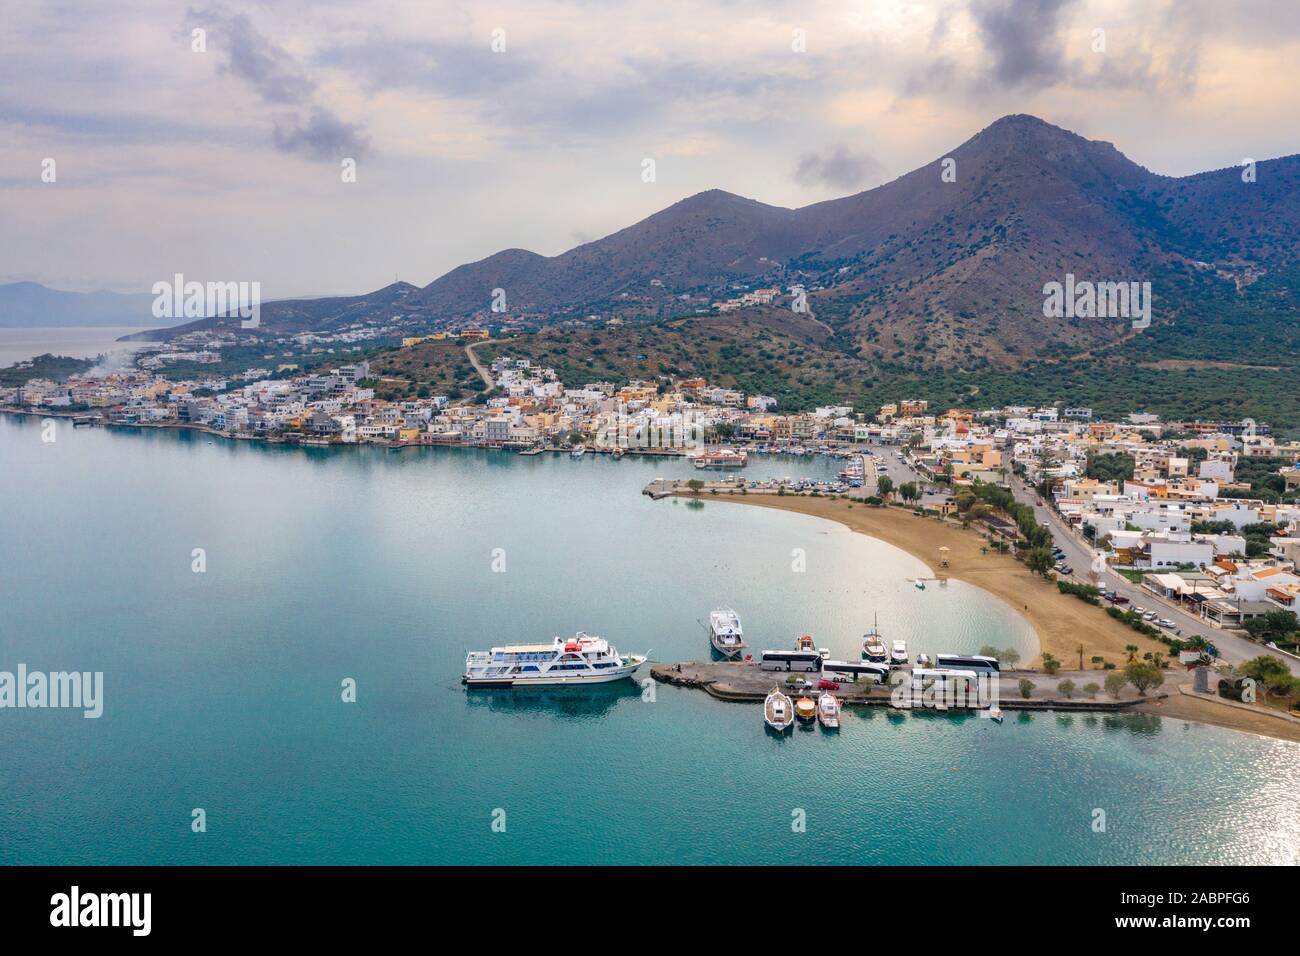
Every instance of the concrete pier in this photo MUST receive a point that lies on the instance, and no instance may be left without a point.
(746, 682)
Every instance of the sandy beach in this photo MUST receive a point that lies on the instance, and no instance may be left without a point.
(1062, 622)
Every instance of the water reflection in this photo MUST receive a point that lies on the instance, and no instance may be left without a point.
(566, 703)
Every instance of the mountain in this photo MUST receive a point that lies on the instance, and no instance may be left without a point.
(29, 305)
(918, 273)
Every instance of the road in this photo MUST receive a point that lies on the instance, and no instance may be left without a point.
(1079, 556)
(478, 366)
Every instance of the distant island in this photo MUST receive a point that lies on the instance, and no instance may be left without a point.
(30, 305)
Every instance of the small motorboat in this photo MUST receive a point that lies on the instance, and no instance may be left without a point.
(898, 657)
(920, 585)
(805, 708)
(778, 712)
(828, 711)
(995, 714)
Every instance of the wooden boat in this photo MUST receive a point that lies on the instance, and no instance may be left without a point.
(805, 708)
(805, 643)
(778, 712)
(828, 711)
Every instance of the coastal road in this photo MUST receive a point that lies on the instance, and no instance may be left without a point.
(1079, 556)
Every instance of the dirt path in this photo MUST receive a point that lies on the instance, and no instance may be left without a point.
(478, 366)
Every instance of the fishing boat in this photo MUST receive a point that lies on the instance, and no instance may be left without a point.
(581, 659)
(873, 646)
(804, 642)
(778, 712)
(721, 458)
(725, 633)
(995, 714)
(578, 451)
(805, 708)
(898, 657)
(828, 710)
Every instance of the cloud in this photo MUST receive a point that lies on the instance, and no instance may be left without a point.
(271, 70)
(324, 136)
(279, 79)
(1023, 37)
(839, 167)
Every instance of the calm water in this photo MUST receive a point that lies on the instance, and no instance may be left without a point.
(223, 688)
(18, 345)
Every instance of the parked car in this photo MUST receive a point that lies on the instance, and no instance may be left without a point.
(1139, 609)
(1119, 599)
(825, 684)
(1166, 623)
(1149, 616)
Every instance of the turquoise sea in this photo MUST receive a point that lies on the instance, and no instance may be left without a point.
(223, 689)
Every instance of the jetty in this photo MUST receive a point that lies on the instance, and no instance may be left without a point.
(746, 682)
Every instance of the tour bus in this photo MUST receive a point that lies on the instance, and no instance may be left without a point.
(806, 661)
(968, 662)
(856, 669)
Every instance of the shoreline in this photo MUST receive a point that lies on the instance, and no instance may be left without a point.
(1061, 621)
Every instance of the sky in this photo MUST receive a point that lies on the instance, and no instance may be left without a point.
(474, 127)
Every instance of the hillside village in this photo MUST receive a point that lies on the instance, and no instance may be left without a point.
(1169, 498)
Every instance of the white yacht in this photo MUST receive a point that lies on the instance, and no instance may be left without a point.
(828, 710)
(725, 632)
(580, 659)
(578, 451)
(898, 658)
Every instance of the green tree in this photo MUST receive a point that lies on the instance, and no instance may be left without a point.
(1271, 673)
(1026, 687)
(1091, 688)
(1039, 560)
(1143, 676)
(884, 486)
(1115, 682)
(695, 485)
(1009, 656)
(1066, 687)
(1051, 664)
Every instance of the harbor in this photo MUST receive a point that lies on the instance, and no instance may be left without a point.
(747, 682)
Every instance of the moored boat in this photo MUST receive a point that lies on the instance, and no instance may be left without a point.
(805, 708)
(725, 632)
(804, 642)
(873, 646)
(578, 451)
(828, 710)
(898, 657)
(721, 458)
(581, 659)
(778, 712)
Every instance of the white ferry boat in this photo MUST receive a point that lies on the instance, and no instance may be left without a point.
(722, 458)
(725, 633)
(581, 659)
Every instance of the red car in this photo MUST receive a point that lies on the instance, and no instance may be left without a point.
(825, 684)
